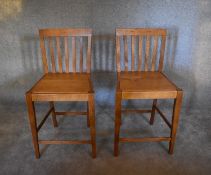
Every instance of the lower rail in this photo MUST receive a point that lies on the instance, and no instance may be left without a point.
(48, 142)
(146, 139)
(136, 110)
(71, 113)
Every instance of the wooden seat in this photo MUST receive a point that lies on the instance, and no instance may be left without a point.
(144, 80)
(62, 83)
(149, 85)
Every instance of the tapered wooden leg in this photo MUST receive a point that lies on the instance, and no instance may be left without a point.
(175, 120)
(33, 124)
(88, 122)
(92, 124)
(117, 122)
(152, 118)
(55, 123)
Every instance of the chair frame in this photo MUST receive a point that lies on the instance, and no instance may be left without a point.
(31, 97)
(121, 95)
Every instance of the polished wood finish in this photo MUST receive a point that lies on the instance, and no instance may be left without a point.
(118, 65)
(59, 53)
(63, 85)
(92, 123)
(74, 54)
(88, 63)
(154, 53)
(67, 62)
(65, 32)
(145, 36)
(140, 31)
(62, 97)
(52, 55)
(126, 53)
(133, 53)
(140, 53)
(81, 54)
(117, 122)
(33, 124)
(146, 64)
(175, 120)
(43, 51)
(62, 36)
(163, 45)
(54, 83)
(147, 81)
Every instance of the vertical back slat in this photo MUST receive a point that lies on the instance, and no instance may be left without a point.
(147, 53)
(66, 54)
(88, 61)
(81, 54)
(133, 53)
(60, 48)
(154, 53)
(52, 55)
(73, 54)
(140, 53)
(125, 53)
(59, 53)
(118, 54)
(163, 44)
(148, 44)
(43, 50)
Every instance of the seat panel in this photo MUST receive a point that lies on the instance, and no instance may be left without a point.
(145, 82)
(56, 83)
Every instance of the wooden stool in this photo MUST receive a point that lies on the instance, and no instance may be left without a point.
(59, 85)
(144, 81)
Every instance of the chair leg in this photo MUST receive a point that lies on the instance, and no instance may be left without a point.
(175, 120)
(152, 118)
(117, 122)
(55, 123)
(88, 122)
(33, 124)
(92, 124)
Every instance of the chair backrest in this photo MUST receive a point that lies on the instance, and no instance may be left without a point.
(146, 49)
(56, 52)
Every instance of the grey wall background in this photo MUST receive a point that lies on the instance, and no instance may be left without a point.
(187, 63)
(188, 51)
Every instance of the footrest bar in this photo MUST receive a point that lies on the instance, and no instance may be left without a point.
(137, 110)
(48, 142)
(163, 117)
(44, 119)
(146, 139)
(71, 113)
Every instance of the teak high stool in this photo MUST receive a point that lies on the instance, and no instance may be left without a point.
(144, 80)
(59, 83)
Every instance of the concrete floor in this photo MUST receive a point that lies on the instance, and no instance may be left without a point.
(192, 152)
